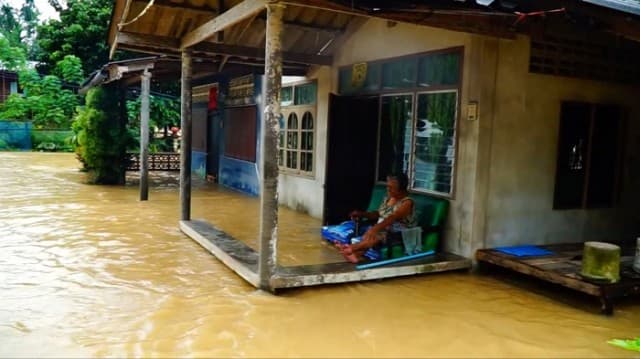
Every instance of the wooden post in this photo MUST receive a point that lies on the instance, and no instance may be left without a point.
(269, 148)
(185, 141)
(144, 135)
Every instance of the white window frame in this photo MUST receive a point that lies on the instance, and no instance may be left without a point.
(299, 110)
(412, 155)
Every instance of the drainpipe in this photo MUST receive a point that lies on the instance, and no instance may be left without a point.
(185, 141)
(144, 135)
(269, 146)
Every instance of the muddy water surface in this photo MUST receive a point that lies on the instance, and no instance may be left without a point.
(89, 271)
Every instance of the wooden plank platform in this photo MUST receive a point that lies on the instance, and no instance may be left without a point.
(243, 260)
(563, 268)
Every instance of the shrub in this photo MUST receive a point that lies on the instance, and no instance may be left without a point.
(101, 136)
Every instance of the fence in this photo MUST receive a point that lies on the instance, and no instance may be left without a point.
(15, 135)
(160, 161)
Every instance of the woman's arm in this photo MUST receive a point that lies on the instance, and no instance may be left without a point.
(372, 216)
(402, 211)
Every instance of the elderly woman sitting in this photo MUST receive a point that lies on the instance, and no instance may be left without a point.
(396, 213)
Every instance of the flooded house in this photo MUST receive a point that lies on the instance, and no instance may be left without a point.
(522, 117)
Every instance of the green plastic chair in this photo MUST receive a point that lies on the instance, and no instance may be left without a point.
(431, 212)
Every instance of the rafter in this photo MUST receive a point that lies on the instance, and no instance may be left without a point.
(172, 45)
(305, 27)
(180, 6)
(491, 24)
(230, 17)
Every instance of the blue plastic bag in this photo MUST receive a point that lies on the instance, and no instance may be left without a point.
(341, 233)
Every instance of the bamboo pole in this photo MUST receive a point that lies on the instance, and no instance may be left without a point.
(185, 141)
(144, 135)
(269, 146)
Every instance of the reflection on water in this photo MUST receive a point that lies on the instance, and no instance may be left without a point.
(91, 271)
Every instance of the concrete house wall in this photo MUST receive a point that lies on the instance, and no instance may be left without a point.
(522, 164)
(505, 161)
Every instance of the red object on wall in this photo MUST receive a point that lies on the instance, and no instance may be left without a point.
(213, 99)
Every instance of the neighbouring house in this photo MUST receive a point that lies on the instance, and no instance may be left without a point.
(523, 115)
(8, 84)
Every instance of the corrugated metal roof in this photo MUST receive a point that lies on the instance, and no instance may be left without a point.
(313, 28)
(629, 6)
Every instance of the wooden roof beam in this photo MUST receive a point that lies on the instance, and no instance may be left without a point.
(228, 18)
(181, 6)
(490, 24)
(167, 44)
(305, 27)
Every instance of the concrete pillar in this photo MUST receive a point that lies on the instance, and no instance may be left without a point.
(185, 141)
(269, 145)
(144, 134)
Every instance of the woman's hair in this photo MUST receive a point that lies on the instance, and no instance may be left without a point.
(401, 178)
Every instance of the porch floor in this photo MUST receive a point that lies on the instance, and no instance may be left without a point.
(243, 259)
(563, 267)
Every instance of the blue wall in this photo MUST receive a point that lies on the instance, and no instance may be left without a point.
(199, 163)
(241, 175)
(15, 135)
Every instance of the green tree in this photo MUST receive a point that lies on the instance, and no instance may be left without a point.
(29, 18)
(70, 69)
(164, 112)
(81, 31)
(12, 57)
(44, 101)
(10, 26)
(19, 26)
(101, 137)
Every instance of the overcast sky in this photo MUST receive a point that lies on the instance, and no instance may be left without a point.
(46, 11)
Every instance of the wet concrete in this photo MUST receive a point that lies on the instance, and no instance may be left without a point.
(90, 271)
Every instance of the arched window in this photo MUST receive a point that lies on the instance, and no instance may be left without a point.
(306, 143)
(292, 141)
(296, 141)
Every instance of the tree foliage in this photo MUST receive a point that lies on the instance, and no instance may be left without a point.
(19, 26)
(81, 31)
(44, 101)
(12, 57)
(101, 136)
(10, 26)
(164, 113)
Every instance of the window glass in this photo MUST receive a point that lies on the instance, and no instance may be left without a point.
(296, 137)
(286, 96)
(372, 81)
(305, 94)
(399, 74)
(307, 132)
(344, 81)
(306, 161)
(395, 135)
(281, 135)
(434, 141)
(439, 69)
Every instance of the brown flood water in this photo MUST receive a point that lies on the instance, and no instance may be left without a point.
(89, 271)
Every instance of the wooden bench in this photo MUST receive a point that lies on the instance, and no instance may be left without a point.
(563, 268)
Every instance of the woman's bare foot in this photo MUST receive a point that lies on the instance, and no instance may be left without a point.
(348, 253)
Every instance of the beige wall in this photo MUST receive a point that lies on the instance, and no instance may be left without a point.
(523, 146)
(376, 40)
(505, 160)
